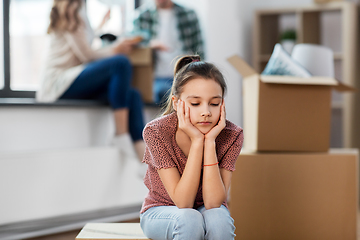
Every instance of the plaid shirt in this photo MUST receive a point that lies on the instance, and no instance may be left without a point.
(187, 24)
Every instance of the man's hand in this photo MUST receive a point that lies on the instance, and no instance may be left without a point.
(157, 45)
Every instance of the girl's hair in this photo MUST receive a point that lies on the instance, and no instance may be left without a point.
(64, 15)
(187, 68)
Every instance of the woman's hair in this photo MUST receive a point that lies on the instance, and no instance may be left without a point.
(64, 15)
(187, 68)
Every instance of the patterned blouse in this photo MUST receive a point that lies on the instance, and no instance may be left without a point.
(162, 151)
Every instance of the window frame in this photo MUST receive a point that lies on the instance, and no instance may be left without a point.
(7, 92)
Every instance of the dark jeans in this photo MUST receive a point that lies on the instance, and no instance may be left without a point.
(161, 89)
(109, 80)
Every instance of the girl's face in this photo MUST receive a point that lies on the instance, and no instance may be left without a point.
(204, 98)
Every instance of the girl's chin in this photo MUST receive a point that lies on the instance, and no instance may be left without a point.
(205, 130)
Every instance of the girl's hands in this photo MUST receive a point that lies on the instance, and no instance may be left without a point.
(214, 132)
(185, 124)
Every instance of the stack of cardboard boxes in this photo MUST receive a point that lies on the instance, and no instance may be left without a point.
(288, 184)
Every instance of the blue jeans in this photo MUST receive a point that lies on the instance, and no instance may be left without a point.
(171, 222)
(109, 80)
(161, 89)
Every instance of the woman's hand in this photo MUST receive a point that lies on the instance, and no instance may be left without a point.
(183, 113)
(105, 19)
(125, 46)
(215, 131)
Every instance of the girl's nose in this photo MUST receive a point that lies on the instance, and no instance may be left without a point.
(206, 113)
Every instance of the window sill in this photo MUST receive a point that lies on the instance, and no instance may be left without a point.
(58, 103)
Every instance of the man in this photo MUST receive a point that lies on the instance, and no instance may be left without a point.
(172, 31)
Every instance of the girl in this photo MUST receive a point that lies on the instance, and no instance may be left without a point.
(75, 71)
(191, 152)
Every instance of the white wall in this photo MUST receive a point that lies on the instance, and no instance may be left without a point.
(47, 128)
(44, 184)
(57, 161)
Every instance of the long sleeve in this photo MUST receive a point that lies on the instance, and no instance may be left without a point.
(79, 45)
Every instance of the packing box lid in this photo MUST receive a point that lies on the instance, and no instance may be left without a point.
(246, 71)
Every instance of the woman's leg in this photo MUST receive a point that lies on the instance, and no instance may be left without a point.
(98, 77)
(218, 223)
(161, 89)
(136, 122)
(136, 118)
(171, 222)
(121, 116)
(109, 79)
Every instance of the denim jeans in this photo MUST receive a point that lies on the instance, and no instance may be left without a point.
(161, 89)
(171, 222)
(109, 80)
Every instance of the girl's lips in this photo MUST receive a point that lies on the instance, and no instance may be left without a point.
(205, 123)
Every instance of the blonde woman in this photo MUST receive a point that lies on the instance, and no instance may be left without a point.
(73, 70)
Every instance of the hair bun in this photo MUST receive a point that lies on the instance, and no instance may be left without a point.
(185, 60)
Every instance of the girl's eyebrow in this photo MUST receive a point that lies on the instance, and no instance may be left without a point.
(194, 96)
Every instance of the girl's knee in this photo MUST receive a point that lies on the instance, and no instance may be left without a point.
(190, 215)
(219, 224)
(190, 221)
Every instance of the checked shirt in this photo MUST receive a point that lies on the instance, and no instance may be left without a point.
(187, 24)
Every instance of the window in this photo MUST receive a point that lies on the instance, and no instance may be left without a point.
(23, 39)
(121, 15)
(2, 79)
(29, 20)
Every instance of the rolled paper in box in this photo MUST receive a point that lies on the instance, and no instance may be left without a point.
(317, 59)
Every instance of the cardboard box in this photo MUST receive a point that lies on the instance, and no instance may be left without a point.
(143, 76)
(284, 113)
(300, 196)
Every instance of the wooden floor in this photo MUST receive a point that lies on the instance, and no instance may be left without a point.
(71, 235)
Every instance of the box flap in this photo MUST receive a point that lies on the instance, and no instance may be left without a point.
(344, 88)
(337, 85)
(298, 80)
(243, 68)
(246, 70)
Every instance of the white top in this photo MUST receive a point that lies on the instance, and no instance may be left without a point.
(66, 58)
(168, 34)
